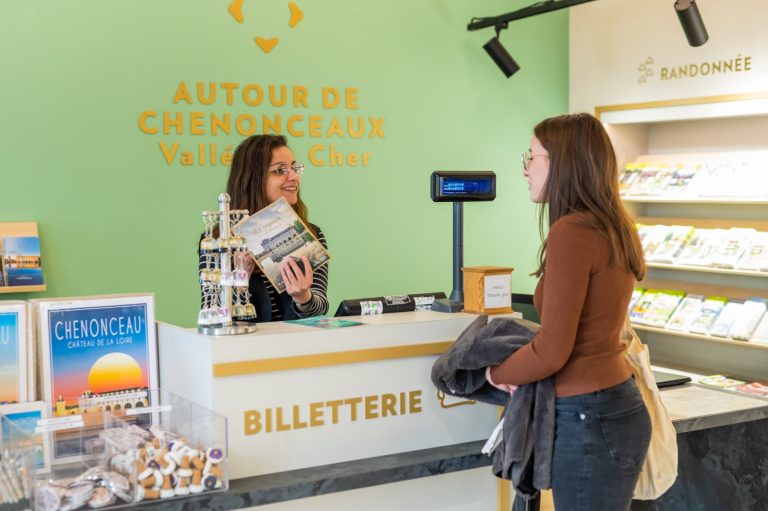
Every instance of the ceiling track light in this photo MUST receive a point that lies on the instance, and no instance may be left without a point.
(690, 19)
(498, 53)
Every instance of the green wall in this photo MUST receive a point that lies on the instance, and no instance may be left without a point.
(115, 217)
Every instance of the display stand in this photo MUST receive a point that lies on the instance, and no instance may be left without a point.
(455, 303)
(16, 230)
(223, 275)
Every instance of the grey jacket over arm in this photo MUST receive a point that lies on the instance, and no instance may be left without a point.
(525, 454)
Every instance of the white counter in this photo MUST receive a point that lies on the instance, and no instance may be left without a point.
(298, 396)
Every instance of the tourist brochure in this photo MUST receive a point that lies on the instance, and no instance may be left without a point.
(324, 322)
(275, 233)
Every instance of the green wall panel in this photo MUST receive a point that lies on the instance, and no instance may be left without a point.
(115, 217)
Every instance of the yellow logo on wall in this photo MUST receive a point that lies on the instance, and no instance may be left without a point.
(266, 44)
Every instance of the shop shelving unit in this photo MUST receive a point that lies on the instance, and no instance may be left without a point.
(697, 126)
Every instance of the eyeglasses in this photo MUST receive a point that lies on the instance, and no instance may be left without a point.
(281, 169)
(527, 157)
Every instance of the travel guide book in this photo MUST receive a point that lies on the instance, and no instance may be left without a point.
(662, 307)
(708, 313)
(756, 258)
(685, 313)
(275, 233)
(21, 261)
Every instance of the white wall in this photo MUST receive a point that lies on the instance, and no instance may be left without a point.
(611, 39)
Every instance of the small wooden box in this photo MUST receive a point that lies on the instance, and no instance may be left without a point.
(487, 289)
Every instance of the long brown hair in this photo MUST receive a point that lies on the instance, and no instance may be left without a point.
(248, 175)
(583, 178)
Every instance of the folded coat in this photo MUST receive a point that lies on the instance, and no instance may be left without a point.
(524, 455)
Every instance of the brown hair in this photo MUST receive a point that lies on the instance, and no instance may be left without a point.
(248, 175)
(583, 178)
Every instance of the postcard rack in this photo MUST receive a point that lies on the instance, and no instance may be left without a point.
(223, 278)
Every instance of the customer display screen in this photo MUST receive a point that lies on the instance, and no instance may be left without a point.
(457, 186)
(460, 186)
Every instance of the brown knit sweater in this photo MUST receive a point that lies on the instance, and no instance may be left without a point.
(582, 303)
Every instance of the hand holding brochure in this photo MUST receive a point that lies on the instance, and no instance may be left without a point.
(275, 233)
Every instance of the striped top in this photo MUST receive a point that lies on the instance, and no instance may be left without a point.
(273, 306)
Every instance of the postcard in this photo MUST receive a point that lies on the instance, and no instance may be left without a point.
(26, 417)
(97, 354)
(275, 233)
(21, 261)
(13, 352)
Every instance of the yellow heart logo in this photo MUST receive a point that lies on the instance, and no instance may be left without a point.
(266, 45)
(235, 10)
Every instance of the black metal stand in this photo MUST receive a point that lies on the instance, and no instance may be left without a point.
(455, 303)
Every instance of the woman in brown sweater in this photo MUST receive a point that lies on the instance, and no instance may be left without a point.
(588, 265)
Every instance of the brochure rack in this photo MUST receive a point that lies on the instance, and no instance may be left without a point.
(654, 131)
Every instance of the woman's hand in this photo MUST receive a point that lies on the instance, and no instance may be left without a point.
(297, 283)
(504, 387)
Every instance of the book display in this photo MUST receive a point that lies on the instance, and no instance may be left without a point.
(697, 176)
(702, 217)
(684, 245)
(712, 316)
(21, 267)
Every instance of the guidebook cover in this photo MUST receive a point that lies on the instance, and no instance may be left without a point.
(98, 354)
(277, 232)
(21, 261)
(13, 351)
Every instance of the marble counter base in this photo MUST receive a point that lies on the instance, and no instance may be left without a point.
(720, 469)
(308, 482)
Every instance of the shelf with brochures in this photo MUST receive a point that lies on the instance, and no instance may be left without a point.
(23, 289)
(709, 269)
(691, 335)
(747, 201)
(696, 189)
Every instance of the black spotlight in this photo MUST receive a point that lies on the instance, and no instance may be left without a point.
(690, 19)
(500, 55)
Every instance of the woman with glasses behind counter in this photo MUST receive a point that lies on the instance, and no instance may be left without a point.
(263, 170)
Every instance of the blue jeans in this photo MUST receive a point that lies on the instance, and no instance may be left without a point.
(601, 439)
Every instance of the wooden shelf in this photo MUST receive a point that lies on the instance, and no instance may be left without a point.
(708, 269)
(22, 289)
(690, 335)
(747, 201)
(704, 223)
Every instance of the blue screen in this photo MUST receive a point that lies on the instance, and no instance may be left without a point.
(464, 186)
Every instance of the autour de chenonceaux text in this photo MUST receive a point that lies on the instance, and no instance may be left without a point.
(231, 109)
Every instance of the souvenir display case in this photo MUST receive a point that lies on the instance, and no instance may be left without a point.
(171, 449)
(17, 466)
